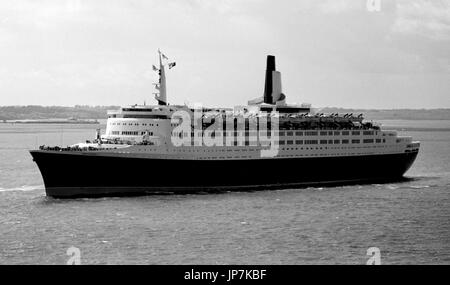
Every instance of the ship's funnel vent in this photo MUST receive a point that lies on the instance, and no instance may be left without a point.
(268, 87)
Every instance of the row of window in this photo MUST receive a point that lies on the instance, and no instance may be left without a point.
(251, 150)
(134, 124)
(356, 141)
(131, 133)
(281, 133)
(327, 133)
(310, 142)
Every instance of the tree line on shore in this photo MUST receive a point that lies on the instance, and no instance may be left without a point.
(35, 112)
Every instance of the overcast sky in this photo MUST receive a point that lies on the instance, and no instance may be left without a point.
(330, 52)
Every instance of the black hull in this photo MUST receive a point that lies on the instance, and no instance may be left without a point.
(69, 174)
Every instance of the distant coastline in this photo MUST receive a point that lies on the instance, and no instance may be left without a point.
(53, 121)
(53, 114)
(59, 114)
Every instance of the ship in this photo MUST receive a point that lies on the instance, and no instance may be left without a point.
(190, 148)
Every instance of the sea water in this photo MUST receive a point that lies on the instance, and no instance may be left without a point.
(409, 222)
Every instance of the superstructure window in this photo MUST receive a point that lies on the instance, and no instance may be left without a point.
(323, 133)
(345, 133)
(130, 133)
(368, 133)
(368, 141)
(290, 142)
(310, 133)
(298, 142)
(323, 141)
(311, 141)
(355, 141)
(299, 133)
(344, 141)
(337, 133)
(356, 133)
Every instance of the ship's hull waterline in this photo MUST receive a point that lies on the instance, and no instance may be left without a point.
(72, 174)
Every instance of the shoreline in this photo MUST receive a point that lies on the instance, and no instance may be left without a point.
(51, 121)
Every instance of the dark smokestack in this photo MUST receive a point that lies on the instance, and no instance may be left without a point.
(268, 87)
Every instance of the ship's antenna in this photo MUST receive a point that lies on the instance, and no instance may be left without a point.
(161, 94)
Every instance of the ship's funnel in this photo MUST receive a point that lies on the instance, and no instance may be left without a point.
(273, 93)
(268, 87)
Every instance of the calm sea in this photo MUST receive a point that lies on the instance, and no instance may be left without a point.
(409, 222)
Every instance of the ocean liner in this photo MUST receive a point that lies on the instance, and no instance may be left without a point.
(266, 144)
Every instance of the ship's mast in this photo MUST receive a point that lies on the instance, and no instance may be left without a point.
(161, 94)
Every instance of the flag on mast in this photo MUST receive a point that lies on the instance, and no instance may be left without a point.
(172, 64)
(164, 56)
(155, 68)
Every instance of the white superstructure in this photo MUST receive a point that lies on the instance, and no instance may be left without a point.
(148, 130)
